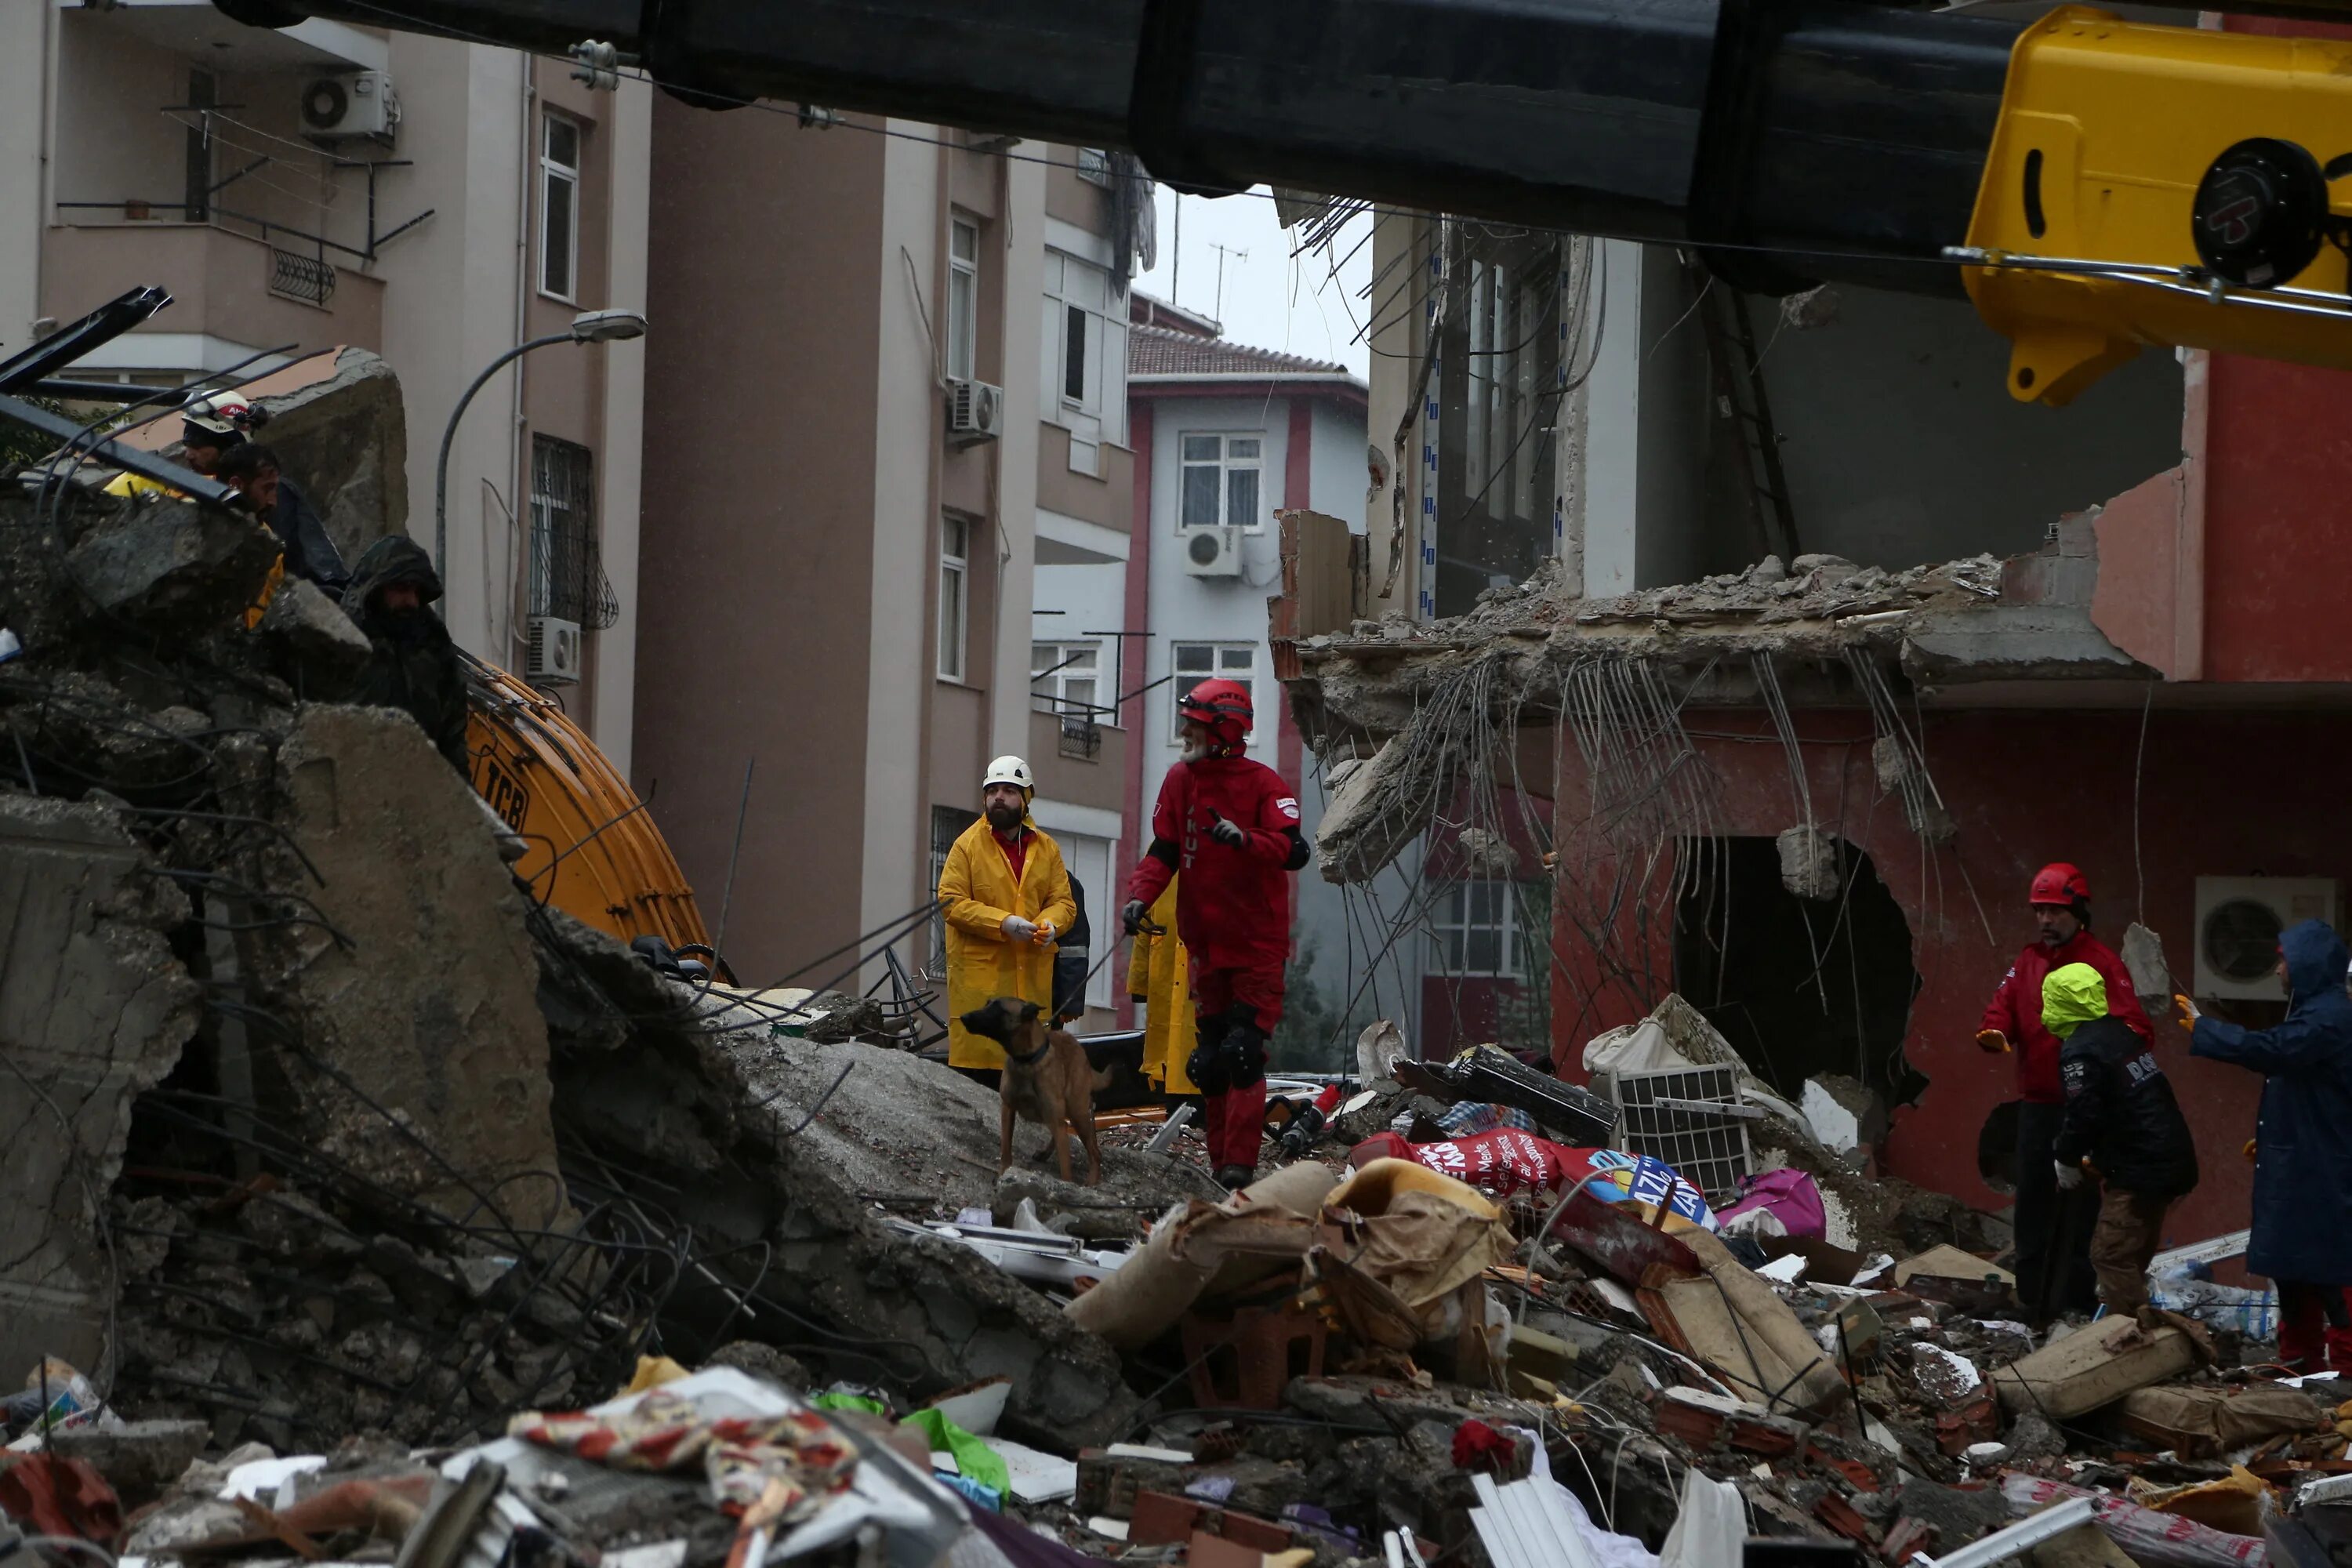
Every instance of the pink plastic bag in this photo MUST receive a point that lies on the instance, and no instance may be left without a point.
(2148, 1538)
(1789, 1196)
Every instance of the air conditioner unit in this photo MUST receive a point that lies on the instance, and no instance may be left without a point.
(1213, 552)
(554, 651)
(356, 103)
(975, 412)
(2237, 923)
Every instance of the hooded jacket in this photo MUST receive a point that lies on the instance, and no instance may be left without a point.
(2016, 1009)
(2119, 1105)
(2303, 1138)
(415, 667)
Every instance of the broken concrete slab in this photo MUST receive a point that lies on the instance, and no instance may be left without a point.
(172, 565)
(2011, 642)
(1950, 1263)
(1845, 1114)
(138, 1458)
(94, 1008)
(2151, 975)
(1810, 864)
(415, 980)
(343, 437)
(325, 650)
(1375, 809)
(2091, 1367)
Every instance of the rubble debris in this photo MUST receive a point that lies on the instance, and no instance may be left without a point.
(2198, 1422)
(2093, 1366)
(2150, 1539)
(1811, 863)
(1845, 1114)
(97, 1009)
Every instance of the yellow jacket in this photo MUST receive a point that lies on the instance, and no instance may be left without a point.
(1162, 969)
(977, 885)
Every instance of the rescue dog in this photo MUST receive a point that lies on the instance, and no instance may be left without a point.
(1046, 1079)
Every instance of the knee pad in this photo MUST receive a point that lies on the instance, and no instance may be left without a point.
(1207, 1066)
(1245, 1051)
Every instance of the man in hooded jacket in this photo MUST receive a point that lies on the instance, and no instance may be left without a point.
(2121, 1124)
(2303, 1143)
(414, 666)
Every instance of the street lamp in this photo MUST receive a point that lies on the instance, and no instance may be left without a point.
(587, 327)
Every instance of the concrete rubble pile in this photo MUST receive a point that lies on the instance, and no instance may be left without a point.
(363, 1208)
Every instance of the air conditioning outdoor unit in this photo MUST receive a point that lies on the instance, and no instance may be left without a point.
(2237, 923)
(1213, 552)
(356, 103)
(554, 651)
(975, 412)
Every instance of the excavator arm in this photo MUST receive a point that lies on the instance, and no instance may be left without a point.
(2087, 180)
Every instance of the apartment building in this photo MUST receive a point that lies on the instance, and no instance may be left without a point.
(888, 386)
(330, 185)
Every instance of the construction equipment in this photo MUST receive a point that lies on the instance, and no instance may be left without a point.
(2095, 185)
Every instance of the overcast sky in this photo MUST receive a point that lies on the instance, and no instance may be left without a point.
(1270, 300)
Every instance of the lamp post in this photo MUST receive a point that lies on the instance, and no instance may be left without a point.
(587, 327)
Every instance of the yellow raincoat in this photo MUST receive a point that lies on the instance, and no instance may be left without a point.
(977, 883)
(1160, 968)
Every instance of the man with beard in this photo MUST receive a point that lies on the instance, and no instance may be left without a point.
(1229, 825)
(415, 667)
(1007, 899)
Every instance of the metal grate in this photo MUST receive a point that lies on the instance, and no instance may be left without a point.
(1081, 736)
(1709, 1151)
(567, 575)
(304, 278)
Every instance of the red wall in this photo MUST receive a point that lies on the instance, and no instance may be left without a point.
(2278, 521)
(2221, 795)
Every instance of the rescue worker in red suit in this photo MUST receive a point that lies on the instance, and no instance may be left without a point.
(1230, 826)
(2053, 1226)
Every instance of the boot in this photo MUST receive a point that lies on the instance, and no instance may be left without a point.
(2302, 1334)
(1233, 1178)
(2339, 1350)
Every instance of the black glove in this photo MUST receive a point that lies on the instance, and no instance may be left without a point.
(1224, 832)
(1133, 916)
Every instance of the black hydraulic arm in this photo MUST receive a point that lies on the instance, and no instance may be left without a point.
(1790, 140)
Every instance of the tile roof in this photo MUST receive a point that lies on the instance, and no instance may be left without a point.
(1159, 351)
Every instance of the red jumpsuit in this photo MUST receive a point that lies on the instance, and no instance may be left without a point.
(1233, 911)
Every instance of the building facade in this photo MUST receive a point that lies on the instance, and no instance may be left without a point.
(329, 186)
(838, 570)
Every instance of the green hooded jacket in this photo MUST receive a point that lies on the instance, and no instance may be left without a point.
(2071, 996)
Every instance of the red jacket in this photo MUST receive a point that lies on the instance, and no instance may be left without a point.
(2016, 1009)
(1232, 906)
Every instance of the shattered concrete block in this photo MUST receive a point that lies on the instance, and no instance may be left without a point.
(1845, 1113)
(325, 650)
(344, 439)
(2143, 955)
(1376, 809)
(1487, 853)
(94, 1010)
(1898, 774)
(174, 565)
(138, 1458)
(416, 982)
(1810, 865)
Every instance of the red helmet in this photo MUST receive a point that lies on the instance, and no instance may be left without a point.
(1222, 705)
(2059, 883)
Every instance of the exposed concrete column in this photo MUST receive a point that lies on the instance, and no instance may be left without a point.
(1398, 337)
(629, 129)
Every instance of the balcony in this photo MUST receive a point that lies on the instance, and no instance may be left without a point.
(232, 292)
(1089, 766)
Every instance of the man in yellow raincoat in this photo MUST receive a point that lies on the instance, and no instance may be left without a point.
(1007, 898)
(1158, 975)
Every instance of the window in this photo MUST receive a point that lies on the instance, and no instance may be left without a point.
(567, 577)
(1499, 392)
(1074, 355)
(947, 823)
(1194, 662)
(1219, 481)
(1082, 367)
(963, 298)
(1475, 929)
(1094, 166)
(559, 208)
(1065, 677)
(203, 93)
(955, 576)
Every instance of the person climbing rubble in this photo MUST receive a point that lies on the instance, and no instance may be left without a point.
(1230, 824)
(254, 471)
(2054, 1227)
(1007, 899)
(2122, 1126)
(414, 664)
(2303, 1143)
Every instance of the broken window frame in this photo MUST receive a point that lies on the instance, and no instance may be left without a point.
(1226, 465)
(953, 625)
(1451, 914)
(1217, 666)
(1057, 667)
(1094, 166)
(1501, 377)
(963, 298)
(1084, 327)
(556, 175)
(567, 573)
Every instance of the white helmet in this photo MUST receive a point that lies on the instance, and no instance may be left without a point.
(1009, 770)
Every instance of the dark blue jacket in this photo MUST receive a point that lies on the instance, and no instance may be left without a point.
(2303, 1141)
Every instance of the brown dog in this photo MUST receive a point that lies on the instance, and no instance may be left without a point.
(1047, 1079)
